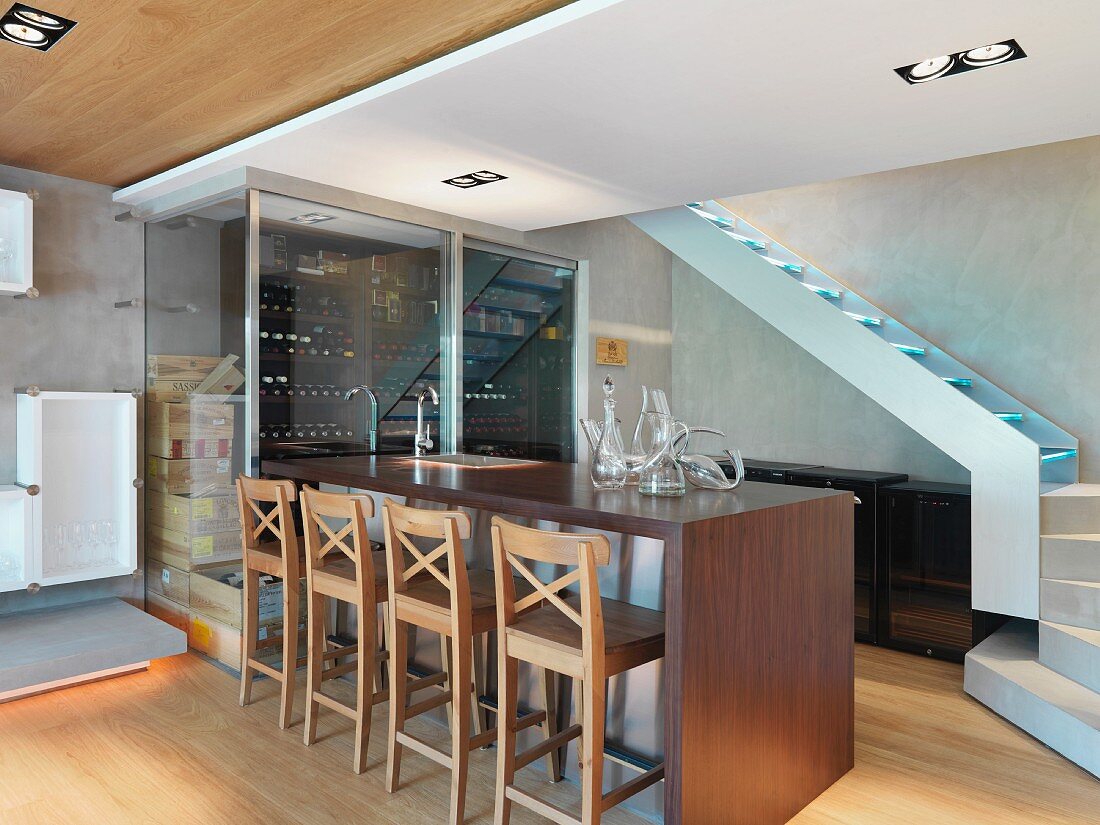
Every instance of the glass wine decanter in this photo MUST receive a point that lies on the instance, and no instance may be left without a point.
(608, 462)
(660, 474)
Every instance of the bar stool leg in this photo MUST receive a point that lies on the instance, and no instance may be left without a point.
(461, 683)
(507, 688)
(578, 716)
(290, 649)
(365, 673)
(399, 663)
(447, 665)
(315, 657)
(548, 683)
(480, 719)
(592, 767)
(250, 616)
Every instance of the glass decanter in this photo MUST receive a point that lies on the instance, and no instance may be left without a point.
(660, 474)
(608, 462)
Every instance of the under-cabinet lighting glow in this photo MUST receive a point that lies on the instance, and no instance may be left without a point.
(866, 320)
(908, 349)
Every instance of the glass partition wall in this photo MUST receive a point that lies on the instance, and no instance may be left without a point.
(280, 308)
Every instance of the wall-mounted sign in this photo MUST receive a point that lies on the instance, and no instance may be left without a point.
(611, 351)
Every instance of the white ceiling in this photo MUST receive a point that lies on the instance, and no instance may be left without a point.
(611, 107)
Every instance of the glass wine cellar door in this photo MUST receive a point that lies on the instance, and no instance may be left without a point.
(517, 332)
(301, 329)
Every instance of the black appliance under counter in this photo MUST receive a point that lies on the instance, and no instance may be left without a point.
(771, 472)
(925, 588)
(865, 484)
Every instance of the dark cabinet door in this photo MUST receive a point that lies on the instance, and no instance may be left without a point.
(865, 543)
(927, 600)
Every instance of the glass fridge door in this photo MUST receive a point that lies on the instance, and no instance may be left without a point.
(517, 334)
(346, 300)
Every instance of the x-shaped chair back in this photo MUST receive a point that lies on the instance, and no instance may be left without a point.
(451, 527)
(352, 539)
(279, 520)
(514, 545)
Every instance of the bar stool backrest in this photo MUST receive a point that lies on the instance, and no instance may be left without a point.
(583, 552)
(403, 524)
(279, 520)
(352, 539)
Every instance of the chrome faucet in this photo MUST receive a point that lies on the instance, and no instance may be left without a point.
(372, 433)
(422, 442)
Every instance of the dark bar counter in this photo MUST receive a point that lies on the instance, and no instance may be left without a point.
(759, 680)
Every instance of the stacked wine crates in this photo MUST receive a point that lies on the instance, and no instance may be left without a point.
(193, 529)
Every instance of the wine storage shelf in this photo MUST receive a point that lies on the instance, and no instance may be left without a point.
(16, 247)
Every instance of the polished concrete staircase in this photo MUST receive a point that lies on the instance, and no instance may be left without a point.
(1046, 680)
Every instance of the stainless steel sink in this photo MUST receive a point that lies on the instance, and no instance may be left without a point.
(473, 461)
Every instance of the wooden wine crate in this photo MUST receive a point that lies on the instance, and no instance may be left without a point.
(198, 516)
(212, 596)
(188, 420)
(190, 476)
(167, 611)
(167, 582)
(189, 447)
(221, 642)
(193, 550)
(181, 367)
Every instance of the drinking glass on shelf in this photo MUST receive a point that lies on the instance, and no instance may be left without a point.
(9, 569)
(7, 252)
(108, 542)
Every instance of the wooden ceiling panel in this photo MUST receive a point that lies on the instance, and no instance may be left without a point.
(140, 87)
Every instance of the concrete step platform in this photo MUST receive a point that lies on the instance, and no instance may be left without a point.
(60, 646)
(1071, 651)
(1071, 509)
(1075, 603)
(1004, 673)
(1075, 556)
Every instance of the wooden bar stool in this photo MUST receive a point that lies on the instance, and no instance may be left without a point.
(460, 606)
(586, 637)
(342, 566)
(282, 558)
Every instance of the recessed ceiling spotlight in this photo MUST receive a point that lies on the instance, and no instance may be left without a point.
(964, 61)
(475, 179)
(32, 27)
(312, 217)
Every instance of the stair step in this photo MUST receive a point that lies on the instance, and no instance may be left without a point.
(1071, 509)
(1049, 455)
(754, 245)
(957, 382)
(1075, 557)
(866, 320)
(793, 269)
(1072, 651)
(909, 349)
(824, 291)
(1010, 416)
(1070, 602)
(1004, 673)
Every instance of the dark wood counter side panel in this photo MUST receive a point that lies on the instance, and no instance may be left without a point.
(762, 669)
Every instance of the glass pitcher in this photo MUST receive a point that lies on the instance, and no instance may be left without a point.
(660, 473)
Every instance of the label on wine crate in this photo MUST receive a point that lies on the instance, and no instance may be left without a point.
(611, 352)
(202, 508)
(202, 547)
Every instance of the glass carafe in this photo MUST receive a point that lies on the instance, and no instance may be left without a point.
(608, 468)
(660, 474)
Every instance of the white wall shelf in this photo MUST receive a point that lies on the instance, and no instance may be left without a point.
(80, 450)
(16, 547)
(16, 227)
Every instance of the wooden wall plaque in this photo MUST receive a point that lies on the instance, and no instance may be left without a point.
(611, 351)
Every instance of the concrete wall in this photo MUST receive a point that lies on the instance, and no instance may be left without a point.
(994, 258)
(72, 338)
(630, 297)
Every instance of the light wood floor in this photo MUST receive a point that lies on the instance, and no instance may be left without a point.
(171, 746)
